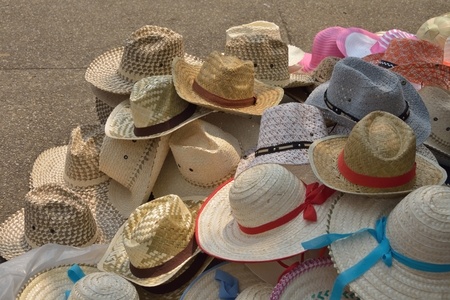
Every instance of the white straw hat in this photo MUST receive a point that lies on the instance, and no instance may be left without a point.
(378, 158)
(262, 215)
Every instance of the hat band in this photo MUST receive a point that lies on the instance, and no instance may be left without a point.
(373, 181)
(167, 125)
(403, 116)
(386, 64)
(167, 266)
(315, 194)
(215, 99)
(282, 147)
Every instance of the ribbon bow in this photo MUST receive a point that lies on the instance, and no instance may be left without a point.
(229, 285)
(74, 273)
(315, 194)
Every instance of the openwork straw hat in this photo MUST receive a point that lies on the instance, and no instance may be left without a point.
(377, 158)
(262, 215)
(357, 88)
(155, 242)
(435, 30)
(52, 214)
(153, 110)
(133, 166)
(149, 51)
(224, 83)
(102, 110)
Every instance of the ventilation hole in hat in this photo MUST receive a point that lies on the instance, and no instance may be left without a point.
(33, 227)
(244, 157)
(435, 119)
(52, 231)
(403, 82)
(271, 66)
(311, 134)
(178, 165)
(125, 156)
(161, 64)
(349, 100)
(255, 65)
(448, 128)
(191, 170)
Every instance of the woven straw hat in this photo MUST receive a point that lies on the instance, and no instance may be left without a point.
(377, 158)
(102, 110)
(270, 57)
(357, 88)
(245, 220)
(417, 228)
(207, 287)
(224, 83)
(133, 166)
(154, 110)
(149, 51)
(52, 214)
(155, 242)
(437, 101)
(109, 99)
(435, 30)
(312, 279)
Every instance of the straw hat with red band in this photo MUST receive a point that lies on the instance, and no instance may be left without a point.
(377, 158)
(262, 215)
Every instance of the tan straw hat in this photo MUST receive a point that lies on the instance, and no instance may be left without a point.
(435, 30)
(155, 242)
(224, 83)
(102, 110)
(153, 110)
(133, 166)
(263, 215)
(149, 51)
(378, 158)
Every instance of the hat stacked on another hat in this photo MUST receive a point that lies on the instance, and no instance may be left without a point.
(435, 30)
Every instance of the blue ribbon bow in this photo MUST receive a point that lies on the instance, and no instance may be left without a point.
(229, 285)
(74, 273)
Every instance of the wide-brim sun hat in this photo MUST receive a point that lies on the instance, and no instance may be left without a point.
(378, 158)
(260, 215)
(224, 83)
(357, 42)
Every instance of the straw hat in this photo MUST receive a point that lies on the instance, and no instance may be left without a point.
(435, 30)
(235, 278)
(256, 217)
(417, 228)
(154, 110)
(285, 134)
(102, 110)
(133, 166)
(357, 88)
(377, 158)
(224, 83)
(52, 214)
(312, 279)
(149, 51)
(155, 242)
(109, 99)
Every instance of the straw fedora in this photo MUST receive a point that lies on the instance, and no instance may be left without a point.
(102, 110)
(111, 100)
(378, 158)
(52, 214)
(155, 242)
(133, 166)
(357, 88)
(227, 280)
(153, 110)
(407, 240)
(148, 51)
(435, 30)
(312, 279)
(250, 218)
(224, 83)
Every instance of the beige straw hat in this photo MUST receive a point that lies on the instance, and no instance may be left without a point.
(263, 215)
(244, 285)
(149, 51)
(155, 242)
(133, 166)
(153, 110)
(224, 83)
(52, 213)
(111, 100)
(435, 30)
(417, 228)
(378, 158)
(102, 110)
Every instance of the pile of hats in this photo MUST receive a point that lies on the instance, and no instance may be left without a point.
(208, 181)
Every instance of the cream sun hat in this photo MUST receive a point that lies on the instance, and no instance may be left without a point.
(388, 249)
(224, 83)
(378, 158)
(155, 242)
(148, 51)
(435, 30)
(262, 215)
(153, 110)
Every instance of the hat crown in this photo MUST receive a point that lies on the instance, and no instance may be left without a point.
(264, 193)
(205, 154)
(437, 101)
(409, 51)
(149, 51)
(419, 226)
(158, 230)
(381, 145)
(435, 30)
(227, 76)
(258, 27)
(56, 214)
(154, 100)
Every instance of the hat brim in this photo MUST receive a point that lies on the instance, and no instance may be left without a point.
(323, 155)
(218, 233)
(185, 73)
(350, 214)
(356, 42)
